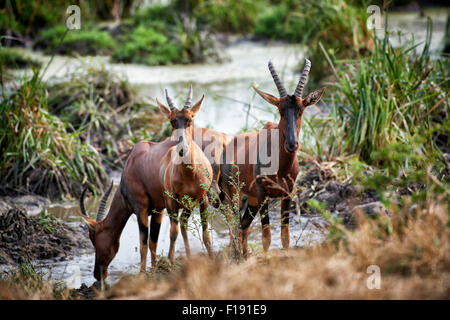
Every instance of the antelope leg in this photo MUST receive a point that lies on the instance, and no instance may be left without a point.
(155, 225)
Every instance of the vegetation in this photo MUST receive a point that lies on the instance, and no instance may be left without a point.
(340, 28)
(39, 156)
(27, 18)
(388, 124)
(13, 59)
(70, 42)
(148, 46)
(25, 282)
(106, 110)
(161, 35)
(227, 16)
(390, 97)
(412, 254)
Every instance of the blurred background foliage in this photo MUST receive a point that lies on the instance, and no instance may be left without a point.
(382, 95)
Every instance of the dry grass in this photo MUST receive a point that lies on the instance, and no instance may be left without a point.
(413, 254)
(412, 249)
(24, 283)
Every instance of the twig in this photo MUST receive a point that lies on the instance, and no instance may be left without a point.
(435, 106)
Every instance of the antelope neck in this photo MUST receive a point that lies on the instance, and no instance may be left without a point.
(114, 222)
(189, 142)
(286, 158)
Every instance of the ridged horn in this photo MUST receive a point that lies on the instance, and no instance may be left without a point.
(301, 83)
(101, 208)
(188, 103)
(276, 79)
(169, 101)
(82, 207)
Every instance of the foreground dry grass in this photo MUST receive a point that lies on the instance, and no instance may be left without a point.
(413, 254)
(412, 249)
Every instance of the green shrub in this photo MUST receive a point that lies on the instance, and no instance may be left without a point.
(84, 42)
(28, 17)
(147, 46)
(228, 16)
(38, 154)
(106, 109)
(278, 23)
(13, 59)
(341, 28)
(157, 14)
(390, 97)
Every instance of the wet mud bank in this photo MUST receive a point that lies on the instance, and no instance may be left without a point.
(28, 239)
(342, 199)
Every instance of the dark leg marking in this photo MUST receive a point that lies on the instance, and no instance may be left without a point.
(154, 229)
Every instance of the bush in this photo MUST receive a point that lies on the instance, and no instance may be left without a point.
(13, 59)
(106, 109)
(161, 35)
(278, 22)
(147, 46)
(38, 154)
(83, 42)
(228, 16)
(339, 27)
(391, 96)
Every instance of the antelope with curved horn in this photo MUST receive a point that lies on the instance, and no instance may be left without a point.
(141, 192)
(256, 186)
(185, 171)
(103, 233)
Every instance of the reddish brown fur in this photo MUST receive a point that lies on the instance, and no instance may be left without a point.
(179, 180)
(141, 191)
(272, 186)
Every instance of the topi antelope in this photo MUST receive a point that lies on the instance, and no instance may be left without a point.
(185, 172)
(259, 187)
(141, 192)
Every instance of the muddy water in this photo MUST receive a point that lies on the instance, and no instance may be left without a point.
(230, 106)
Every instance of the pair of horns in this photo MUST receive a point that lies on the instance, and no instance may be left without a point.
(301, 83)
(187, 104)
(101, 208)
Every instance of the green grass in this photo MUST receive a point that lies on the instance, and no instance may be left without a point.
(106, 109)
(38, 154)
(13, 59)
(87, 41)
(341, 28)
(388, 127)
(390, 96)
(148, 46)
(159, 35)
(236, 16)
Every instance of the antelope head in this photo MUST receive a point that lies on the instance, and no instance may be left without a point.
(291, 107)
(181, 120)
(105, 245)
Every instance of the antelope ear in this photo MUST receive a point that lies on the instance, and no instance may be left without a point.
(92, 224)
(197, 106)
(163, 108)
(313, 97)
(268, 97)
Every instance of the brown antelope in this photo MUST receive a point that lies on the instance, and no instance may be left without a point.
(185, 171)
(257, 186)
(141, 191)
(212, 143)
